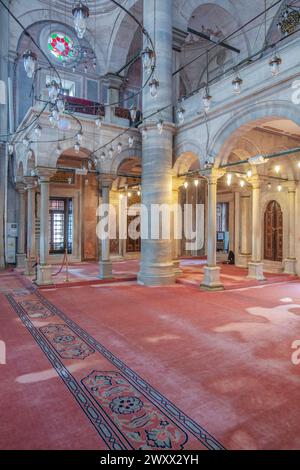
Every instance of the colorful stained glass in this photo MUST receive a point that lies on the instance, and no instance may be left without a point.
(61, 46)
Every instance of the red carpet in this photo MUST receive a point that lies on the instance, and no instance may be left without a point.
(223, 358)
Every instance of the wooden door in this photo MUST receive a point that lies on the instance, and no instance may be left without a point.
(273, 232)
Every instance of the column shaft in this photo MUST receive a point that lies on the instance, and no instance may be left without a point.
(31, 221)
(255, 267)
(44, 222)
(290, 262)
(157, 266)
(105, 264)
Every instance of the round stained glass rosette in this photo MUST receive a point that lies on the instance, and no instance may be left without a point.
(61, 46)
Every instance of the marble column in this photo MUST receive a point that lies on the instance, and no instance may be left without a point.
(30, 224)
(244, 228)
(21, 256)
(44, 272)
(255, 266)
(156, 267)
(176, 224)
(105, 263)
(211, 279)
(4, 72)
(290, 262)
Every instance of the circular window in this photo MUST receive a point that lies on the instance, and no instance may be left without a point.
(61, 46)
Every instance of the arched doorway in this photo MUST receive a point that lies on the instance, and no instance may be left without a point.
(273, 232)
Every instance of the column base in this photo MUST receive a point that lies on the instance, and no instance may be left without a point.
(290, 266)
(21, 260)
(177, 269)
(105, 270)
(242, 260)
(155, 275)
(44, 275)
(29, 270)
(211, 279)
(256, 271)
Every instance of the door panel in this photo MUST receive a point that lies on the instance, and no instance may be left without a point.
(273, 232)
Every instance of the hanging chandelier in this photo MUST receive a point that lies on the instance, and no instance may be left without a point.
(80, 13)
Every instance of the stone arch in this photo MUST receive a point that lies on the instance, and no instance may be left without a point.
(125, 155)
(122, 35)
(230, 133)
(188, 147)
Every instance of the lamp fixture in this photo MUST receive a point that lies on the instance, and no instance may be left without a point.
(147, 56)
(160, 126)
(277, 169)
(130, 141)
(77, 147)
(180, 114)
(30, 61)
(119, 147)
(53, 90)
(196, 183)
(154, 85)
(229, 179)
(98, 122)
(237, 85)
(275, 63)
(249, 173)
(80, 13)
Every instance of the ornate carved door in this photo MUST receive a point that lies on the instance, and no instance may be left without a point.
(273, 233)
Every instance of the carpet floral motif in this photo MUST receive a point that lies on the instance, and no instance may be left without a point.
(143, 425)
(35, 309)
(66, 342)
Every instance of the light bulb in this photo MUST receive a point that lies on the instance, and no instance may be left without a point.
(279, 188)
(237, 85)
(180, 115)
(129, 194)
(206, 101)
(130, 141)
(79, 137)
(249, 173)
(53, 90)
(229, 179)
(139, 193)
(196, 183)
(30, 60)
(269, 186)
(160, 126)
(38, 131)
(186, 184)
(98, 122)
(275, 63)
(277, 169)
(81, 13)
(242, 183)
(119, 147)
(52, 120)
(133, 113)
(147, 59)
(60, 105)
(77, 147)
(154, 84)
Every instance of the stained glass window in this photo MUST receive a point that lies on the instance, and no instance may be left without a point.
(61, 46)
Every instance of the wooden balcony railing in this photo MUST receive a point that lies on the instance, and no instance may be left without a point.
(80, 105)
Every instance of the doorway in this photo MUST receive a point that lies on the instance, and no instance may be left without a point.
(273, 232)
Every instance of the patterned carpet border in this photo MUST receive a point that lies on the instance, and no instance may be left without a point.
(161, 401)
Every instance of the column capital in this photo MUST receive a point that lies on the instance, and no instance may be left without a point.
(30, 182)
(45, 174)
(105, 180)
(256, 181)
(20, 187)
(152, 126)
(213, 174)
(291, 186)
